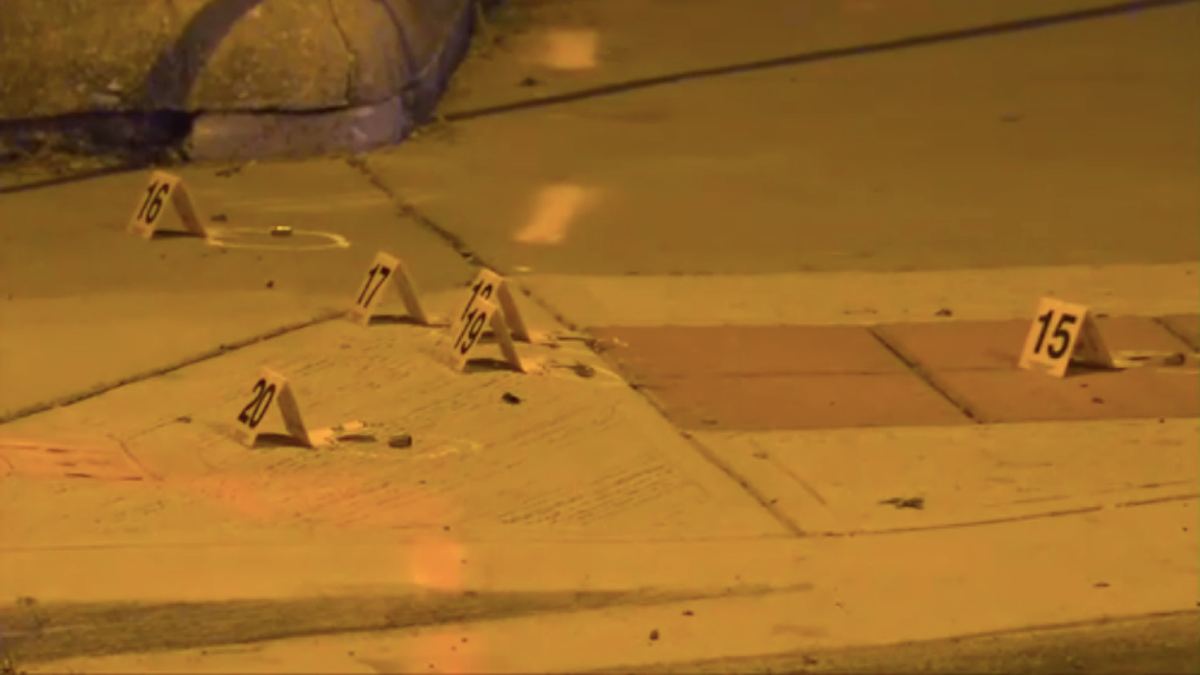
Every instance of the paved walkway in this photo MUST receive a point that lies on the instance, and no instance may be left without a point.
(806, 287)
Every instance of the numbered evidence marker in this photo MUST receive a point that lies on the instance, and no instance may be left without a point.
(468, 328)
(270, 389)
(1062, 332)
(386, 269)
(165, 189)
(491, 286)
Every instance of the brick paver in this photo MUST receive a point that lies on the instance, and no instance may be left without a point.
(808, 377)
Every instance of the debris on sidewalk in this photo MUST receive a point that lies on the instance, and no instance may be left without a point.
(1138, 359)
(400, 441)
(654, 634)
(944, 312)
(219, 218)
(353, 432)
(583, 370)
(281, 231)
(510, 398)
(906, 502)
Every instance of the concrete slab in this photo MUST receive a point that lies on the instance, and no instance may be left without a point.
(1056, 571)
(996, 345)
(655, 354)
(731, 175)
(838, 481)
(1186, 326)
(66, 263)
(1023, 396)
(576, 457)
(56, 348)
(803, 402)
(843, 298)
(593, 44)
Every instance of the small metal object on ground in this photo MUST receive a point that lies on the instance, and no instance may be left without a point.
(400, 441)
(281, 231)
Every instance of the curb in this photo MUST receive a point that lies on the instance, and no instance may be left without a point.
(154, 133)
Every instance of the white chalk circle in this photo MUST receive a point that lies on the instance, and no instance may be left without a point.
(263, 240)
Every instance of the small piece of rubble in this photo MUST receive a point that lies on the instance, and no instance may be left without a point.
(583, 370)
(510, 398)
(654, 634)
(906, 502)
(400, 441)
(944, 312)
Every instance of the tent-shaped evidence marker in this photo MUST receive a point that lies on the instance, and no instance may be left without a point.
(165, 192)
(271, 390)
(386, 271)
(480, 313)
(1063, 333)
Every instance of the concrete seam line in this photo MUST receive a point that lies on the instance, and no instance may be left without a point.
(1015, 26)
(407, 210)
(72, 399)
(924, 375)
(1161, 321)
(746, 485)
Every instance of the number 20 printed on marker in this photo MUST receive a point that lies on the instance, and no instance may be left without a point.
(264, 394)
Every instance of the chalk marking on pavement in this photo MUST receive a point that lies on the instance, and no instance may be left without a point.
(217, 238)
(72, 399)
(867, 298)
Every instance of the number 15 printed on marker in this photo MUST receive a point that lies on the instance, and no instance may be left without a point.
(1060, 343)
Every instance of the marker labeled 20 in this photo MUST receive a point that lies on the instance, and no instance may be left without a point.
(264, 394)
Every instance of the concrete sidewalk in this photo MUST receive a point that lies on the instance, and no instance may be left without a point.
(752, 239)
(870, 590)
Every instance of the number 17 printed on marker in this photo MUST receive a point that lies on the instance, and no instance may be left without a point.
(370, 294)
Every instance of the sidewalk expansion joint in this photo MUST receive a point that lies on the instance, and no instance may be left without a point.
(917, 369)
(407, 210)
(853, 51)
(1166, 325)
(72, 399)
